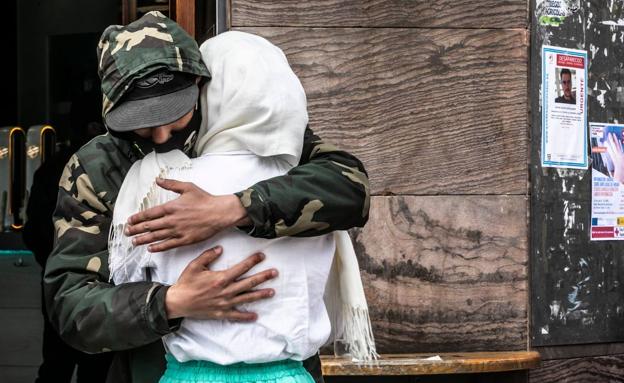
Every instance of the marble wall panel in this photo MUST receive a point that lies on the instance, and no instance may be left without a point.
(446, 273)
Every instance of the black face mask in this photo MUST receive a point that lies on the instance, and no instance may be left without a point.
(182, 139)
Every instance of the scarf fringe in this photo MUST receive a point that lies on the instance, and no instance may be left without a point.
(346, 304)
(358, 334)
(124, 258)
(119, 244)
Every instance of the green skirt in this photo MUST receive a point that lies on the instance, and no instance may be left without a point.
(284, 371)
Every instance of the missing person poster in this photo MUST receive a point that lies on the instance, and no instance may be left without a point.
(564, 108)
(607, 211)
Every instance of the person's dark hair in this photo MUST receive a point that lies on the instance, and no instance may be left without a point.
(565, 71)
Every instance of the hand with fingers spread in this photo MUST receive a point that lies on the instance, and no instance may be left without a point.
(201, 293)
(194, 216)
(614, 148)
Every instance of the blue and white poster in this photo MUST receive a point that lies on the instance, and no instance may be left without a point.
(607, 153)
(564, 108)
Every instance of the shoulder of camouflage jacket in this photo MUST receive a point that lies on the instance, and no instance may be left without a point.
(151, 43)
(105, 161)
(292, 206)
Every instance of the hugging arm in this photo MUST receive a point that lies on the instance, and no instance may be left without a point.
(90, 313)
(94, 315)
(327, 191)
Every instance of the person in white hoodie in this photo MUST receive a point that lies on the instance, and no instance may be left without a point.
(254, 115)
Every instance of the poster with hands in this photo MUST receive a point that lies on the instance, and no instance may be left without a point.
(607, 152)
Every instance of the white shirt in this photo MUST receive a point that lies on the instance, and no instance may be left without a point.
(293, 324)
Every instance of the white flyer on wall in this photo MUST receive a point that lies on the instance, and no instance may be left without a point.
(607, 209)
(564, 108)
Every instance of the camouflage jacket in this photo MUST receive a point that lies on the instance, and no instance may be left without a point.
(327, 191)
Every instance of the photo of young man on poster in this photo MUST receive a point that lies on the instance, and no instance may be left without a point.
(564, 82)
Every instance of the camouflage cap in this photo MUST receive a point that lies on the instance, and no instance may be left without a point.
(153, 42)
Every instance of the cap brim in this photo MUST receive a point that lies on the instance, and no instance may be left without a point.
(152, 112)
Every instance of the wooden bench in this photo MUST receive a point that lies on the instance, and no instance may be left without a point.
(419, 365)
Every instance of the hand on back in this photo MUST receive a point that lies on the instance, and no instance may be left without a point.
(201, 293)
(194, 216)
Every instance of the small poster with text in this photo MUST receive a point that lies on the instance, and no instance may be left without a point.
(607, 206)
(564, 108)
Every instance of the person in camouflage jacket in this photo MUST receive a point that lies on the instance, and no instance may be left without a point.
(328, 191)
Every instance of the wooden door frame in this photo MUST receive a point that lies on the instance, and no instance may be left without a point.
(182, 11)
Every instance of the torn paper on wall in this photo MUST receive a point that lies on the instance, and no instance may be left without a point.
(554, 12)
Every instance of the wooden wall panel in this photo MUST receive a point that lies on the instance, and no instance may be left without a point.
(446, 273)
(579, 350)
(381, 13)
(601, 369)
(436, 111)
